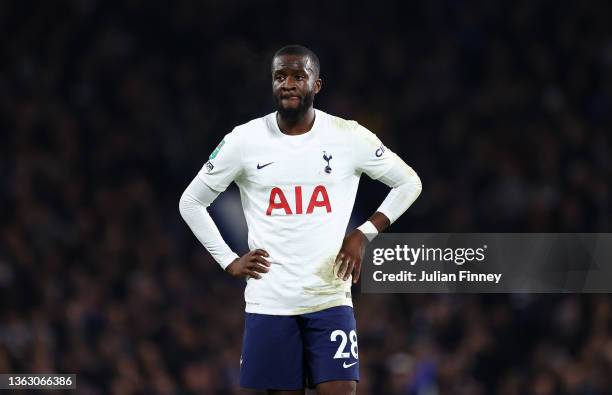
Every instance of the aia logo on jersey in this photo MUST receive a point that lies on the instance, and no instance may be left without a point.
(318, 199)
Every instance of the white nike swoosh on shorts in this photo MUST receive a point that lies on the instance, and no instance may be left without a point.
(344, 365)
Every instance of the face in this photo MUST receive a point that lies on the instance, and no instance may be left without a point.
(294, 84)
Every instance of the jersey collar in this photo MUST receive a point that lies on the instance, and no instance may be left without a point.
(301, 138)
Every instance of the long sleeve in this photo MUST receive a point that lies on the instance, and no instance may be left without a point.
(406, 188)
(380, 163)
(193, 207)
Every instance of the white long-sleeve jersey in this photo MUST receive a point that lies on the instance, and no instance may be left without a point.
(297, 194)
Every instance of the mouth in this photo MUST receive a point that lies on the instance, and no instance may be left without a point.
(290, 98)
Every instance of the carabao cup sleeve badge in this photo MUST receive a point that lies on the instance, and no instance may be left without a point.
(213, 155)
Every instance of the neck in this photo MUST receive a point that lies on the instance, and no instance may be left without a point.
(299, 125)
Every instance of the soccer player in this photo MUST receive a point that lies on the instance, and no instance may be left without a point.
(298, 169)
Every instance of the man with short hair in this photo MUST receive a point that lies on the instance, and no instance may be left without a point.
(298, 169)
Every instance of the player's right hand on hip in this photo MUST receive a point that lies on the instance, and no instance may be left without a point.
(250, 264)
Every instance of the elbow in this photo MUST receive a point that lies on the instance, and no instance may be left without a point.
(195, 198)
(413, 184)
(418, 186)
(184, 205)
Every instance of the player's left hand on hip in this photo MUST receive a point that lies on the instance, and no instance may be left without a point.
(348, 260)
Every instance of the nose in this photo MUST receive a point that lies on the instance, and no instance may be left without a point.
(288, 84)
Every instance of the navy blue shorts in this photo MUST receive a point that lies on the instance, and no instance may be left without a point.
(294, 352)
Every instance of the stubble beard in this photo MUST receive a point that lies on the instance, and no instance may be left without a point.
(294, 114)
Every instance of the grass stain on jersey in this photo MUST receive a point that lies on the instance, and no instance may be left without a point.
(332, 285)
(319, 307)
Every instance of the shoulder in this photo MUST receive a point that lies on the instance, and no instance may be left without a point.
(251, 130)
(339, 124)
(348, 126)
(240, 135)
(351, 129)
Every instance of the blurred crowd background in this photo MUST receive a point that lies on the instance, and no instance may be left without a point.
(108, 110)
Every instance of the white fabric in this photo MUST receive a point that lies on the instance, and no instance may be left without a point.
(369, 230)
(297, 193)
(193, 207)
(406, 187)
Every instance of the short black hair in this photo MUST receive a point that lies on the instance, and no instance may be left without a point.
(299, 50)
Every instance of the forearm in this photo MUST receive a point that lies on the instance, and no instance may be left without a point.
(193, 207)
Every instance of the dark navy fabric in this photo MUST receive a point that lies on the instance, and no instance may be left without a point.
(293, 352)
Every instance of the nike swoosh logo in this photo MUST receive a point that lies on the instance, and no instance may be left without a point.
(345, 365)
(262, 166)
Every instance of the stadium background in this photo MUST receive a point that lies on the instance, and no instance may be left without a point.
(108, 110)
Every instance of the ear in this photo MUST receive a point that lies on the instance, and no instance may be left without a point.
(318, 84)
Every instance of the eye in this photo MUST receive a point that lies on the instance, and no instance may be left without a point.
(299, 77)
(279, 77)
